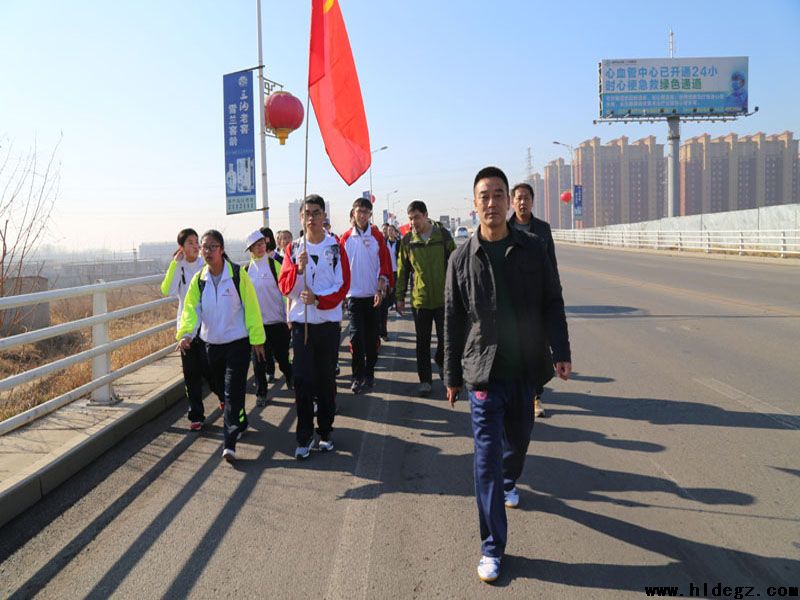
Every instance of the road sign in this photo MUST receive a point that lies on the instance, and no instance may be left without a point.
(240, 148)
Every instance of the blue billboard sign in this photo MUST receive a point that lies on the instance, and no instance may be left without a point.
(577, 201)
(240, 147)
(663, 87)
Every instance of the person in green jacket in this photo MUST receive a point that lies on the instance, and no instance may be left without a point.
(424, 252)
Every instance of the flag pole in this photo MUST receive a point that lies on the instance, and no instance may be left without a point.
(305, 230)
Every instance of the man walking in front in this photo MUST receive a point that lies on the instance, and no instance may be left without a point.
(424, 252)
(523, 219)
(503, 304)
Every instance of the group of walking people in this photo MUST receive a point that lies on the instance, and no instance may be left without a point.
(496, 303)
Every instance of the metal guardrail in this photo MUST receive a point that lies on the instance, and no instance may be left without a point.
(778, 242)
(100, 353)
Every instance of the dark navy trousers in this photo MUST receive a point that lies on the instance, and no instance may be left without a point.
(228, 364)
(502, 420)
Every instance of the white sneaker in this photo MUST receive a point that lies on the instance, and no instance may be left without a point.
(303, 452)
(489, 568)
(512, 497)
(229, 454)
(324, 445)
(424, 388)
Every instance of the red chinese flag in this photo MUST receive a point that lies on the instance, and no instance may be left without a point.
(335, 93)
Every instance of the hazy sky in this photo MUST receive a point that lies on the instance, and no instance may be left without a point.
(135, 89)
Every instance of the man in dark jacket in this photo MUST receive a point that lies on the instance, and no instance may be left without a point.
(503, 305)
(523, 219)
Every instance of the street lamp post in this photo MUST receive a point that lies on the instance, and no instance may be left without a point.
(370, 169)
(572, 176)
(389, 206)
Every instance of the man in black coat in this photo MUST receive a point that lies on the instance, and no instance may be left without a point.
(503, 307)
(523, 219)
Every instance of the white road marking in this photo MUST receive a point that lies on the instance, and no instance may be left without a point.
(352, 556)
(751, 402)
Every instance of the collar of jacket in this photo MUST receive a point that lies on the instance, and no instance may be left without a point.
(475, 243)
(436, 230)
(227, 273)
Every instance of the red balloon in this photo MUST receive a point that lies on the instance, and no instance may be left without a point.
(283, 114)
(566, 197)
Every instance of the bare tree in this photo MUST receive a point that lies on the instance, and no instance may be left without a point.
(28, 191)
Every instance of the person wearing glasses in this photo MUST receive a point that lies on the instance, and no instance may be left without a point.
(221, 299)
(263, 272)
(315, 277)
(186, 261)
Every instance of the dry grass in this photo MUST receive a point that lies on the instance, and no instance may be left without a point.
(30, 356)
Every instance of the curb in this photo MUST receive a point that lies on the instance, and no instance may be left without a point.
(27, 492)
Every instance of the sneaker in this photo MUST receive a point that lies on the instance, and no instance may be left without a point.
(261, 400)
(271, 378)
(424, 388)
(489, 568)
(303, 452)
(356, 386)
(229, 454)
(368, 384)
(290, 383)
(324, 445)
(512, 497)
(195, 426)
(240, 433)
(538, 409)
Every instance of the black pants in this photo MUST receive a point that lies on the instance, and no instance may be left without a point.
(363, 336)
(195, 368)
(278, 347)
(315, 378)
(388, 302)
(228, 364)
(424, 319)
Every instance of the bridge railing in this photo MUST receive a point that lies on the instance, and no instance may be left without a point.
(100, 352)
(773, 242)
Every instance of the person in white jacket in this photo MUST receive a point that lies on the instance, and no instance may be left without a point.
(315, 276)
(264, 272)
(186, 261)
(221, 299)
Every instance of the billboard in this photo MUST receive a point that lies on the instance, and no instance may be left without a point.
(662, 87)
(240, 148)
(577, 201)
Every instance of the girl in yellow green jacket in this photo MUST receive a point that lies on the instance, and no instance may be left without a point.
(185, 263)
(222, 301)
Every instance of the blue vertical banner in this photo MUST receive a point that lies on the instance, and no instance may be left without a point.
(240, 146)
(577, 201)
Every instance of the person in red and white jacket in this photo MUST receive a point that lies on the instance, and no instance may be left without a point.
(315, 277)
(370, 280)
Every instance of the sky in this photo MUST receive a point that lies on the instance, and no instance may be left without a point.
(131, 95)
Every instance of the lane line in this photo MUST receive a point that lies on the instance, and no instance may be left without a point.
(715, 298)
(759, 406)
(352, 557)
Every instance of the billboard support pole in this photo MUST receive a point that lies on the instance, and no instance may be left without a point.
(673, 166)
(262, 128)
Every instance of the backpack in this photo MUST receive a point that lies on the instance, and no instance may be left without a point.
(201, 283)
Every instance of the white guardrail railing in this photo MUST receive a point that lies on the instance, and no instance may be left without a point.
(100, 352)
(778, 242)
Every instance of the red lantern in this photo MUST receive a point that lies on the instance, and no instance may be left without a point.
(283, 113)
(566, 197)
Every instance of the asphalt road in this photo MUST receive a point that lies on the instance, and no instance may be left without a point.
(670, 459)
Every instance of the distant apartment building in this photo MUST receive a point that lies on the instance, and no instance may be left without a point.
(733, 173)
(295, 225)
(622, 182)
(537, 183)
(557, 179)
